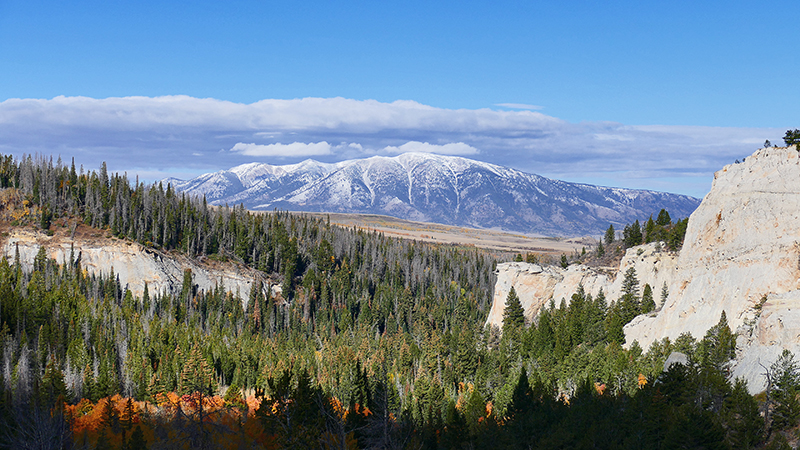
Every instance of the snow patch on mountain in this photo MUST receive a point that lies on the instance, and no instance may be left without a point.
(437, 188)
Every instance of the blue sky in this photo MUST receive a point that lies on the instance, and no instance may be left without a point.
(631, 94)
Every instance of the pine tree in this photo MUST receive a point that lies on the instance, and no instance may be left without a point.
(197, 375)
(718, 347)
(648, 304)
(745, 426)
(614, 323)
(609, 236)
(594, 321)
(663, 218)
(649, 230)
(52, 387)
(544, 339)
(465, 358)
(513, 314)
(576, 316)
(110, 417)
(632, 234)
(792, 137)
(677, 234)
(629, 304)
(784, 378)
(522, 398)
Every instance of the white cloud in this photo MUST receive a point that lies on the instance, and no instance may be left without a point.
(299, 149)
(458, 148)
(612, 137)
(519, 106)
(186, 133)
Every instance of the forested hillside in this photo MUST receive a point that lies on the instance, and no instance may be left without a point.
(373, 343)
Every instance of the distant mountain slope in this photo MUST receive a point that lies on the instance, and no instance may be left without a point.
(435, 188)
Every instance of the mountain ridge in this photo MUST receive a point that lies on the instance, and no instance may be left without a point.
(435, 188)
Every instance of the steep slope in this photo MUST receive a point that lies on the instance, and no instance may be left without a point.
(536, 284)
(741, 255)
(134, 264)
(435, 188)
(253, 183)
(742, 245)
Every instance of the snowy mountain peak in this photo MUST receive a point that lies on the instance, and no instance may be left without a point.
(436, 188)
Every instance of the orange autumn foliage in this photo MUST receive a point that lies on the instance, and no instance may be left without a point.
(226, 426)
(600, 388)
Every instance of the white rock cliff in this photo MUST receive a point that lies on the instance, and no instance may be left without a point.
(132, 263)
(742, 244)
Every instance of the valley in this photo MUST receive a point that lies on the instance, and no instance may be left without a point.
(448, 234)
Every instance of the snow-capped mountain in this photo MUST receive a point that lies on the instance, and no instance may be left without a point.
(436, 188)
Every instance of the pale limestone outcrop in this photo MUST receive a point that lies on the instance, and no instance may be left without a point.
(768, 333)
(132, 263)
(742, 244)
(536, 285)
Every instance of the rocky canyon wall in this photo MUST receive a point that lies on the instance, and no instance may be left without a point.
(742, 245)
(134, 264)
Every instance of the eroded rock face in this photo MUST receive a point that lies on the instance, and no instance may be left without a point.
(742, 244)
(536, 285)
(133, 263)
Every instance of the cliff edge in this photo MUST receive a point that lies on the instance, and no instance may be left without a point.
(132, 263)
(741, 255)
(742, 245)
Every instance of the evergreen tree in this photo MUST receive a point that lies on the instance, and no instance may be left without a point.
(576, 316)
(466, 358)
(52, 387)
(792, 137)
(745, 426)
(595, 316)
(522, 398)
(609, 236)
(718, 346)
(614, 323)
(650, 230)
(648, 304)
(783, 387)
(677, 234)
(663, 218)
(197, 375)
(632, 235)
(110, 417)
(544, 340)
(513, 314)
(629, 303)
